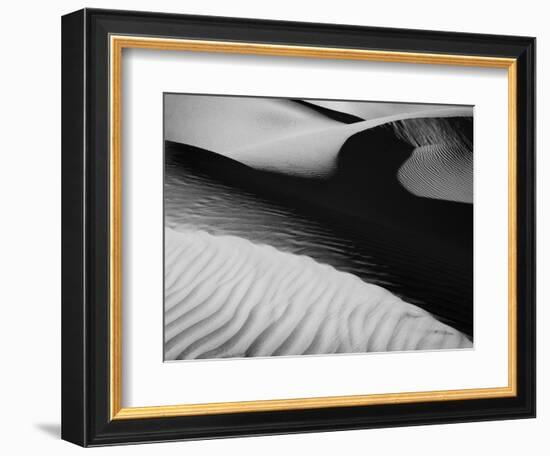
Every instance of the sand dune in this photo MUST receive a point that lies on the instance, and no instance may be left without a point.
(315, 154)
(287, 137)
(224, 124)
(228, 297)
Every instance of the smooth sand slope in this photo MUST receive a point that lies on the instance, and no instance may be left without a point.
(228, 297)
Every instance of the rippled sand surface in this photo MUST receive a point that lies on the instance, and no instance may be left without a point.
(241, 299)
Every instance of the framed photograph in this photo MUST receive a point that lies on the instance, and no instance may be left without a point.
(278, 227)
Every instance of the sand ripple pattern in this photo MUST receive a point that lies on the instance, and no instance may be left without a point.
(441, 165)
(228, 297)
(440, 171)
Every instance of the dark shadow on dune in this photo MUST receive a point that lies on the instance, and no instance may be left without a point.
(340, 116)
(421, 248)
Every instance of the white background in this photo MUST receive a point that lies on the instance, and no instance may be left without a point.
(30, 229)
(148, 73)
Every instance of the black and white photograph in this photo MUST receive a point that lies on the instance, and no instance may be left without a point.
(316, 227)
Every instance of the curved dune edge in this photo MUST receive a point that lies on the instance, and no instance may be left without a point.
(227, 297)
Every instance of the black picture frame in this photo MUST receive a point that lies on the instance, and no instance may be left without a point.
(86, 416)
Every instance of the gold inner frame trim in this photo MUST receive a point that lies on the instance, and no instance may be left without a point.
(117, 44)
